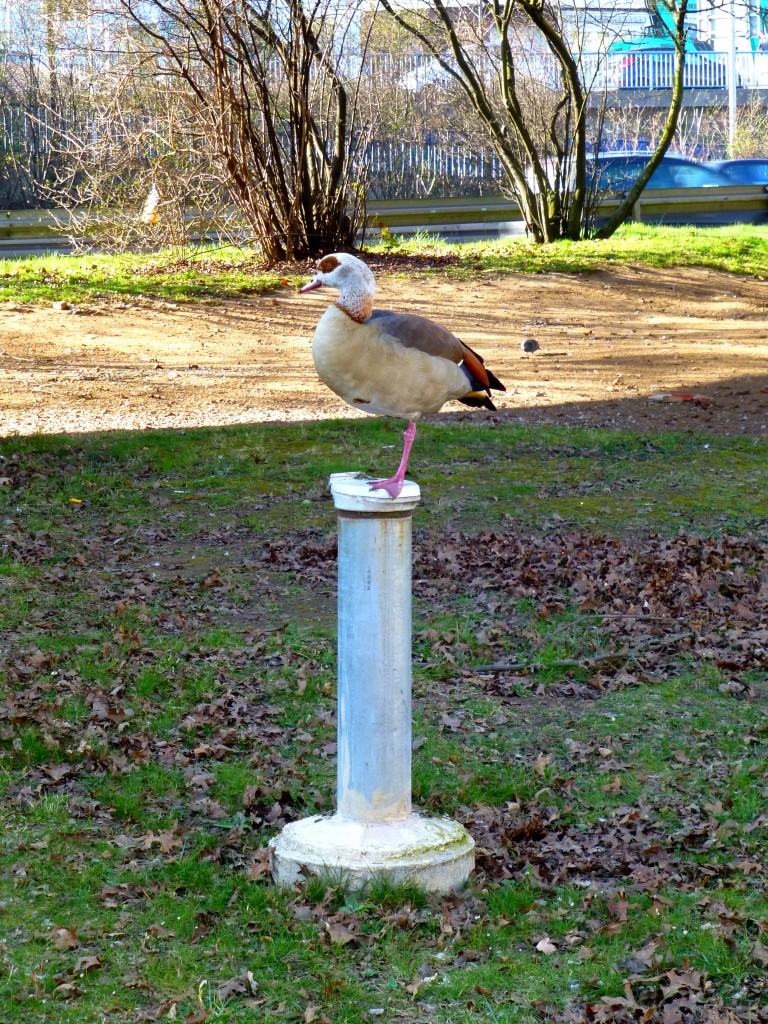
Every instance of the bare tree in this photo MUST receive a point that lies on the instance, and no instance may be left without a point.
(751, 130)
(135, 171)
(425, 138)
(538, 123)
(678, 33)
(33, 83)
(265, 85)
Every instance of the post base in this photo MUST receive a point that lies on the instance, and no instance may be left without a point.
(434, 853)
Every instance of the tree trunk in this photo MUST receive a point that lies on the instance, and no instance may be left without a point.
(544, 160)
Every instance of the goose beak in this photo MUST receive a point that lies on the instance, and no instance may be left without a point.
(310, 287)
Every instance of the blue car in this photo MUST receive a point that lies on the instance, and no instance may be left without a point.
(743, 172)
(617, 173)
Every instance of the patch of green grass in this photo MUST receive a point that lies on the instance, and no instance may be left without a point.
(207, 274)
(738, 248)
(141, 795)
(187, 922)
(30, 747)
(163, 720)
(471, 477)
(227, 273)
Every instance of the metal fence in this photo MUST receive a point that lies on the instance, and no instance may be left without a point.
(444, 164)
(631, 69)
(433, 158)
(655, 69)
(20, 127)
(23, 127)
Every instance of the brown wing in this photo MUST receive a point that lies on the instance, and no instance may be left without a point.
(418, 332)
(414, 331)
(474, 364)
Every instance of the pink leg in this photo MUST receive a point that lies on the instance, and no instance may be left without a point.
(394, 484)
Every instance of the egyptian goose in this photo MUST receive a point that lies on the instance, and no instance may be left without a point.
(390, 364)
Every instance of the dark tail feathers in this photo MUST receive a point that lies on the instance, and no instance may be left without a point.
(478, 401)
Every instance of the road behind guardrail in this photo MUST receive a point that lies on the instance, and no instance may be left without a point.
(25, 232)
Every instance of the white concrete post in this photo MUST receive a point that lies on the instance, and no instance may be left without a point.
(374, 653)
(374, 832)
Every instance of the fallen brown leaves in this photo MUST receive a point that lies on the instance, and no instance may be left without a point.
(692, 596)
(627, 847)
(638, 610)
(674, 997)
(108, 742)
(656, 600)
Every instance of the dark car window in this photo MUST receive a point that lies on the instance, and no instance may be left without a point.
(662, 177)
(691, 176)
(613, 174)
(752, 172)
(617, 174)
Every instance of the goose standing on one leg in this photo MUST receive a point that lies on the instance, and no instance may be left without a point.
(390, 364)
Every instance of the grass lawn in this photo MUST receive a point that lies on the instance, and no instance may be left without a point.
(213, 274)
(590, 683)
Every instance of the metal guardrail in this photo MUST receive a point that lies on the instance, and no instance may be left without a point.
(486, 214)
(725, 204)
(29, 224)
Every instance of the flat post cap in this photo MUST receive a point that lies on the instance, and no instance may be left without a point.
(352, 493)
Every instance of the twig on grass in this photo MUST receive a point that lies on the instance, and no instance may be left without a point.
(630, 654)
(538, 666)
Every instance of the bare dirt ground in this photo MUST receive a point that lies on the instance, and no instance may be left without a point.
(610, 341)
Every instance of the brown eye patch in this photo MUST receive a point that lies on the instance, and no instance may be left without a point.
(327, 264)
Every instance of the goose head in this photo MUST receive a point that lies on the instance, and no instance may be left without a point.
(353, 279)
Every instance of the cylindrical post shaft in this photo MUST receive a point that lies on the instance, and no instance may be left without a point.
(374, 665)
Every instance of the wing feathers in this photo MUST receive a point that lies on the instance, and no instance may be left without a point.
(474, 363)
(418, 332)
